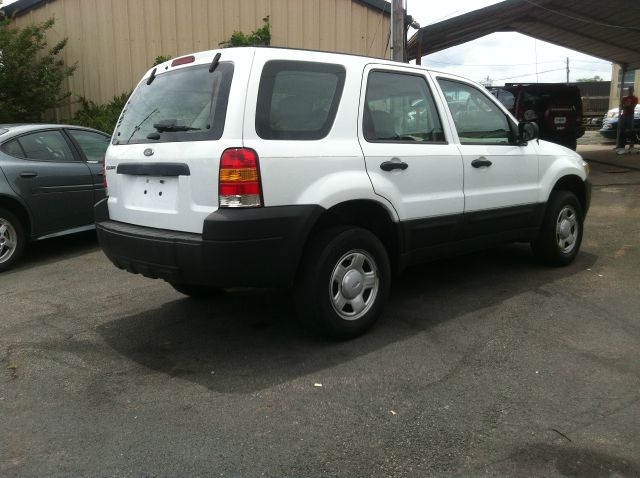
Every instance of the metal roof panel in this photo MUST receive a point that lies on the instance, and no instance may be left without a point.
(593, 27)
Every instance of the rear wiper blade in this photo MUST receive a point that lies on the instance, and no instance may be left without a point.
(162, 128)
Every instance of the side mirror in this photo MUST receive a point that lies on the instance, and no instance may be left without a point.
(527, 132)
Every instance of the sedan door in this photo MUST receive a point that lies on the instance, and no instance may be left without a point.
(53, 181)
(410, 160)
(501, 186)
(92, 146)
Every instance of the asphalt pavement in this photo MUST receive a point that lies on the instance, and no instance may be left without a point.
(482, 365)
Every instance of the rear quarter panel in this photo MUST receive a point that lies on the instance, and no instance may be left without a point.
(327, 171)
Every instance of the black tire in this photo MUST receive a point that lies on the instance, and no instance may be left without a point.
(196, 291)
(12, 239)
(561, 233)
(571, 143)
(365, 282)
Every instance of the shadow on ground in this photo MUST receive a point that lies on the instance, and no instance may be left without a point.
(573, 462)
(245, 341)
(56, 249)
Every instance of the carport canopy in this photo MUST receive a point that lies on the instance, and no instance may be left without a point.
(609, 30)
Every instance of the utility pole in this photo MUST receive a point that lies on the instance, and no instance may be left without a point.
(398, 35)
(568, 70)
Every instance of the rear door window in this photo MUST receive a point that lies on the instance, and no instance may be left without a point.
(46, 146)
(399, 107)
(298, 100)
(189, 104)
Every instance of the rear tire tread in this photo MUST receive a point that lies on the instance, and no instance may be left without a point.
(312, 287)
(20, 239)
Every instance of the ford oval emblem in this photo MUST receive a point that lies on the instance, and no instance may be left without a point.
(148, 152)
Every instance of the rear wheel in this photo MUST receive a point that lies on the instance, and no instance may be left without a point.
(195, 291)
(344, 282)
(561, 233)
(12, 239)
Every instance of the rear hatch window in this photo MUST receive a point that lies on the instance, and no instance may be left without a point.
(189, 104)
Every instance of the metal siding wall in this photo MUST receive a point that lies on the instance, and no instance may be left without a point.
(113, 42)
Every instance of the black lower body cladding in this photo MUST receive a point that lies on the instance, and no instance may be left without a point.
(238, 247)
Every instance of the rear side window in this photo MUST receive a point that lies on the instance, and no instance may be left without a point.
(189, 104)
(13, 148)
(46, 146)
(298, 100)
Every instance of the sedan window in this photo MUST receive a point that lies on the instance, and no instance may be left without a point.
(93, 145)
(46, 146)
(13, 148)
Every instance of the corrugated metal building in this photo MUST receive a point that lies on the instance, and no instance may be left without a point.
(113, 42)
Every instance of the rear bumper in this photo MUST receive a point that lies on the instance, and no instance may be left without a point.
(238, 247)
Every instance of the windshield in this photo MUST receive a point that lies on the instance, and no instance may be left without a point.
(189, 104)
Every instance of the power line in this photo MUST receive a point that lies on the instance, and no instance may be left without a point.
(530, 74)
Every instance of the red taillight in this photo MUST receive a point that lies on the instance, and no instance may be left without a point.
(239, 181)
(183, 61)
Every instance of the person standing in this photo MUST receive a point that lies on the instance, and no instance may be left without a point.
(627, 109)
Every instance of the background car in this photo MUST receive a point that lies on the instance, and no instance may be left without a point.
(50, 178)
(610, 123)
(555, 107)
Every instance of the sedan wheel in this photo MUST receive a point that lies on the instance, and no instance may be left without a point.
(11, 239)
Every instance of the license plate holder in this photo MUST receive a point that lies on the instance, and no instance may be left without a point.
(154, 193)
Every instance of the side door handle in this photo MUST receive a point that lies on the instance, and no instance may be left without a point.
(391, 165)
(28, 174)
(480, 162)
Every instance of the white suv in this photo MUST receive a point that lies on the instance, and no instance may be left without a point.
(267, 167)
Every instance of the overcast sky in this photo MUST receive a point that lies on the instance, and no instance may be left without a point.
(503, 57)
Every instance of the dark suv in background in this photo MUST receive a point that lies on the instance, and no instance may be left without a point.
(555, 107)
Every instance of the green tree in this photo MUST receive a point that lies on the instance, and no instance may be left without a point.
(102, 117)
(260, 36)
(32, 74)
(595, 78)
(161, 59)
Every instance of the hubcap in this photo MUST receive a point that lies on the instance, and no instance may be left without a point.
(7, 240)
(354, 284)
(567, 229)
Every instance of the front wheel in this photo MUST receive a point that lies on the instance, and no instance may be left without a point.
(12, 239)
(344, 282)
(561, 232)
